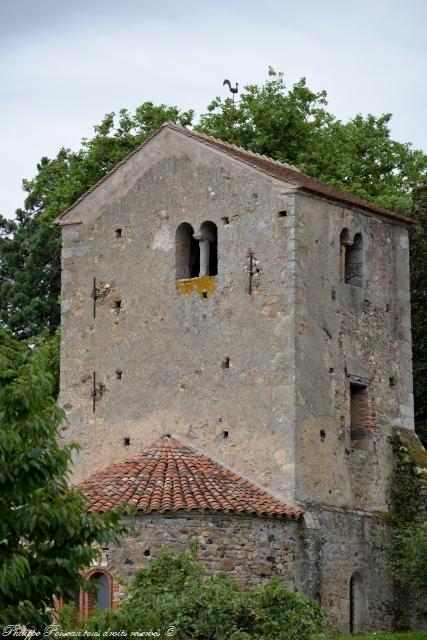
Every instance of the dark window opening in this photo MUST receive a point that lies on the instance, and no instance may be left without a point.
(322, 434)
(392, 381)
(117, 305)
(226, 363)
(147, 553)
(204, 294)
(126, 442)
(119, 373)
(118, 233)
(208, 240)
(354, 262)
(331, 370)
(225, 435)
(187, 259)
(282, 214)
(225, 220)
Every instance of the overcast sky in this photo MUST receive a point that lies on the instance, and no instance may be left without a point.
(65, 63)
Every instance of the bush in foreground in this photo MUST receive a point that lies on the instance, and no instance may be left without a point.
(175, 592)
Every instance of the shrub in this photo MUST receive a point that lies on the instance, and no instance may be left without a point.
(173, 591)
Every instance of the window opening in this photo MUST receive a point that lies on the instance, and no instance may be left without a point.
(226, 363)
(187, 258)
(225, 435)
(360, 409)
(354, 262)
(103, 591)
(118, 233)
(357, 603)
(282, 214)
(119, 373)
(126, 442)
(345, 243)
(208, 245)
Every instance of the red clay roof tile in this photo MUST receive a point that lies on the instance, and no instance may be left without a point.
(172, 476)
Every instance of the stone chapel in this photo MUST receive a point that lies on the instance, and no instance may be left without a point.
(235, 357)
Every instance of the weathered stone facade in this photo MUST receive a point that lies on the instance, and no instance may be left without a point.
(258, 364)
(316, 556)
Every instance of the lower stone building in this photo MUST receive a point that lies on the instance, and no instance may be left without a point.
(180, 495)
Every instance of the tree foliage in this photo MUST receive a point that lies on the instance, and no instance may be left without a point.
(173, 591)
(45, 536)
(294, 126)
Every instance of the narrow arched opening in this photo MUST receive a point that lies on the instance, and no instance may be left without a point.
(208, 241)
(101, 597)
(187, 257)
(357, 603)
(354, 262)
(345, 243)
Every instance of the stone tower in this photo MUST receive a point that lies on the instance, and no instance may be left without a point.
(260, 314)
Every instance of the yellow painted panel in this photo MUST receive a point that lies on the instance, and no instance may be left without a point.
(203, 285)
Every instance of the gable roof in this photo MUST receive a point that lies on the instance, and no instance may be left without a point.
(271, 167)
(171, 476)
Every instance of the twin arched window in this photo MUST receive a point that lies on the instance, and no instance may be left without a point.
(351, 258)
(196, 253)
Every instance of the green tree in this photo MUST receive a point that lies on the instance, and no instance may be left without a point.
(174, 591)
(45, 536)
(294, 126)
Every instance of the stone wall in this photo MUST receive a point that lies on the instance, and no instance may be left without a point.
(350, 334)
(249, 549)
(317, 556)
(168, 346)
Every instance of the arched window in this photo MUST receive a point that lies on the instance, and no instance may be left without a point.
(101, 598)
(354, 262)
(345, 243)
(103, 591)
(357, 603)
(187, 260)
(208, 242)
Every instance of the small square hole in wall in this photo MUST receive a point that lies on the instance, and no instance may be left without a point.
(331, 370)
(387, 307)
(225, 364)
(392, 381)
(126, 442)
(119, 373)
(282, 214)
(225, 220)
(117, 306)
(204, 294)
(118, 233)
(225, 435)
(147, 553)
(322, 434)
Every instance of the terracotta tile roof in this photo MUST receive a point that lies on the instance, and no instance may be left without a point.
(267, 165)
(171, 476)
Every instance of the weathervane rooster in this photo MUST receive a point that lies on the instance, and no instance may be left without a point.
(233, 90)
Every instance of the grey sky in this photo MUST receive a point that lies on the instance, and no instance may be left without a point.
(64, 64)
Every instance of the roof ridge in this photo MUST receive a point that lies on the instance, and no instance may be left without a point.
(226, 143)
(269, 166)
